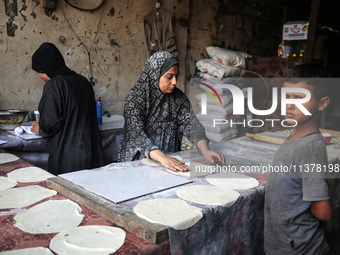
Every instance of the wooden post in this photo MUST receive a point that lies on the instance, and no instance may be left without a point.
(313, 19)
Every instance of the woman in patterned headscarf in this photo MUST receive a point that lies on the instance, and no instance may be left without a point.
(158, 114)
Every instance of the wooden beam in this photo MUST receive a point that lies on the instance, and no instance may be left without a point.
(117, 214)
(332, 132)
(266, 138)
(313, 20)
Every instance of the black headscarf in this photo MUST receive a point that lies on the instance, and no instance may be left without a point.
(47, 59)
(169, 62)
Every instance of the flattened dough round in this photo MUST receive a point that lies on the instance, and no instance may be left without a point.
(29, 251)
(175, 213)
(50, 217)
(232, 181)
(195, 170)
(6, 183)
(208, 195)
(88, 240)
(151, 162)
(29, 174)
(6, 158)
(23, 196)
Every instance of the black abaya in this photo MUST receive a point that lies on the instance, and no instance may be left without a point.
(67, 115)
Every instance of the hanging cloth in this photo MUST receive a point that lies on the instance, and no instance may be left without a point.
(159, 34)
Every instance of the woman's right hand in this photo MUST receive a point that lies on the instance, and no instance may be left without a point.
(35, 127)
(168, 162)
(173, 164)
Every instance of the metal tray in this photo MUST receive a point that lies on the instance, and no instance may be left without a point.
(9, 115)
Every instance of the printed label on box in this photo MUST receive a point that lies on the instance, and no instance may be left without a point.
(295, 30)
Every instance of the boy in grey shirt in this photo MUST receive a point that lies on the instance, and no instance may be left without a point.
(297, 201)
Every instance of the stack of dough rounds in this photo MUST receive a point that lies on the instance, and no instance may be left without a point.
(49, 217)
(23, 196)
(208, 195)
(6, 183)
(6, 158)
(29, 174)
(88, 240)
(232, 181)
(175, 213)
(29, 251)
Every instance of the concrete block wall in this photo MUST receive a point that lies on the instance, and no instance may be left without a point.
(107, 44)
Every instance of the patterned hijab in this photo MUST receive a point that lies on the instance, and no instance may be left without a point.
(151, 116)
(156, 120)
(47, 59)
(147, 88)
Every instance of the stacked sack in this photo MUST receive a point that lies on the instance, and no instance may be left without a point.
(223, 67)
(222, 63)
(221, 111)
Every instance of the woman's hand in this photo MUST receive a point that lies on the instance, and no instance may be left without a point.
(209, 154)
(173, 164)
(35, 127)
(168, 162)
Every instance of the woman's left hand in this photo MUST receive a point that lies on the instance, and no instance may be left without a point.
(211, 155)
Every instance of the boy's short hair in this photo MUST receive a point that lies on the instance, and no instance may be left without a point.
(312, 74)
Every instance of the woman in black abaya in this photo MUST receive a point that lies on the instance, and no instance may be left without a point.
(67, 114)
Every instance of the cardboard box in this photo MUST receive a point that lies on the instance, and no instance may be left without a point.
(295, 30)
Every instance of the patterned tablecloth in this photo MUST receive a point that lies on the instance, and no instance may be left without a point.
(234, 230)
(12, 238)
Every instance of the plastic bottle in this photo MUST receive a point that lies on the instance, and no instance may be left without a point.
(99, 111)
